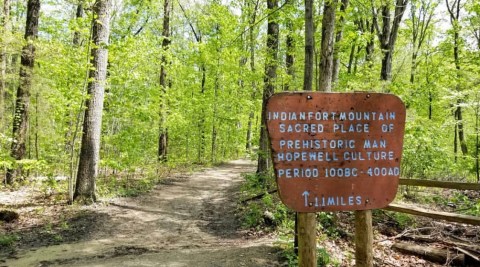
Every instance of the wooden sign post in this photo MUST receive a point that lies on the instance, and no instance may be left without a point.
(335, 151)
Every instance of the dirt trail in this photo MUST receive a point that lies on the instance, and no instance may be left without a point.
(188, 221)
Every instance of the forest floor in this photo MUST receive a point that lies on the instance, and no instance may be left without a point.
(188, 220)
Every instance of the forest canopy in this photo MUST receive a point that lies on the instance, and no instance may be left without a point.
(185, 80)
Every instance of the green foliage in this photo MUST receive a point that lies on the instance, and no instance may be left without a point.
(268, 211)
(324, 259)
(286, 244)
(288, 253)
(7, 240)
(127, 184)
(403, 220)
(468, 204)
(326, 224)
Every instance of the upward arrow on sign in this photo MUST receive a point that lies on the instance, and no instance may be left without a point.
(306, 194)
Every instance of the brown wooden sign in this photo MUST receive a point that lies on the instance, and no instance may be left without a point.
(336, 151)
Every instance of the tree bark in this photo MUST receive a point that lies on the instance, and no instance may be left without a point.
(5, 31)
(269, 84)
(164, 86)
(431, 254)
(351, 57)
(420, 23)
(370, 48)
(309, 46)
(92, 123)
(338, 39)
(454, 11)
(251, 43)
(326, 60)
(20, 119)
(290, 53)
(388, 34)
(77, 37)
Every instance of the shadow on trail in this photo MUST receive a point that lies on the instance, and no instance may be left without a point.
(184, 222)
(80, 226)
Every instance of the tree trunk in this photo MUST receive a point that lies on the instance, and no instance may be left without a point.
(269, 87)
(216, 87)
(92, 123)
(77, 37)
(351, 58)
(431, 253)
(420, 22)
(163, 137)
(413, 69)
(461, 131)
(326, 60)
(477, 139)
(338, 38)
(251, 44)
(290, 53)
(309, 46)
(386, 72)
(455, 139)
(20, 119)
(454, 12)
(388, 34)
(201, 124)
(370, 48)
(5, 31)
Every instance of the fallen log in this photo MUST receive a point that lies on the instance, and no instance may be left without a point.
(425, 238)
(439, 255)
(259, 196)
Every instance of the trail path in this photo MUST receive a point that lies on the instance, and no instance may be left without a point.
(188, 221)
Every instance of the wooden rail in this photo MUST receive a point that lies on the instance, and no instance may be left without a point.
(440, 184)
(447, 216)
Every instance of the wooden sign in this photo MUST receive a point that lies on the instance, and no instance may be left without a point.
(336, 151)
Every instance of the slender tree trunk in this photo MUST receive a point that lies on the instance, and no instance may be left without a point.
(430, 93)
(201, 149)
(214, 115)
(5, 31)
(413, 69)
(77, 42)
(22, 103)
(454, 11)
(251, 43)
(309, 46)
(420, 23)
(461, 130)
(77, 37)
(477, 139)
(326, 61)
(388, 34)
(370, 47)
(338, 39)
(163, 137)
(92, 123)
(269, 87)
(355, 62)
(351, 58)
(455, 139)
(290, 53)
